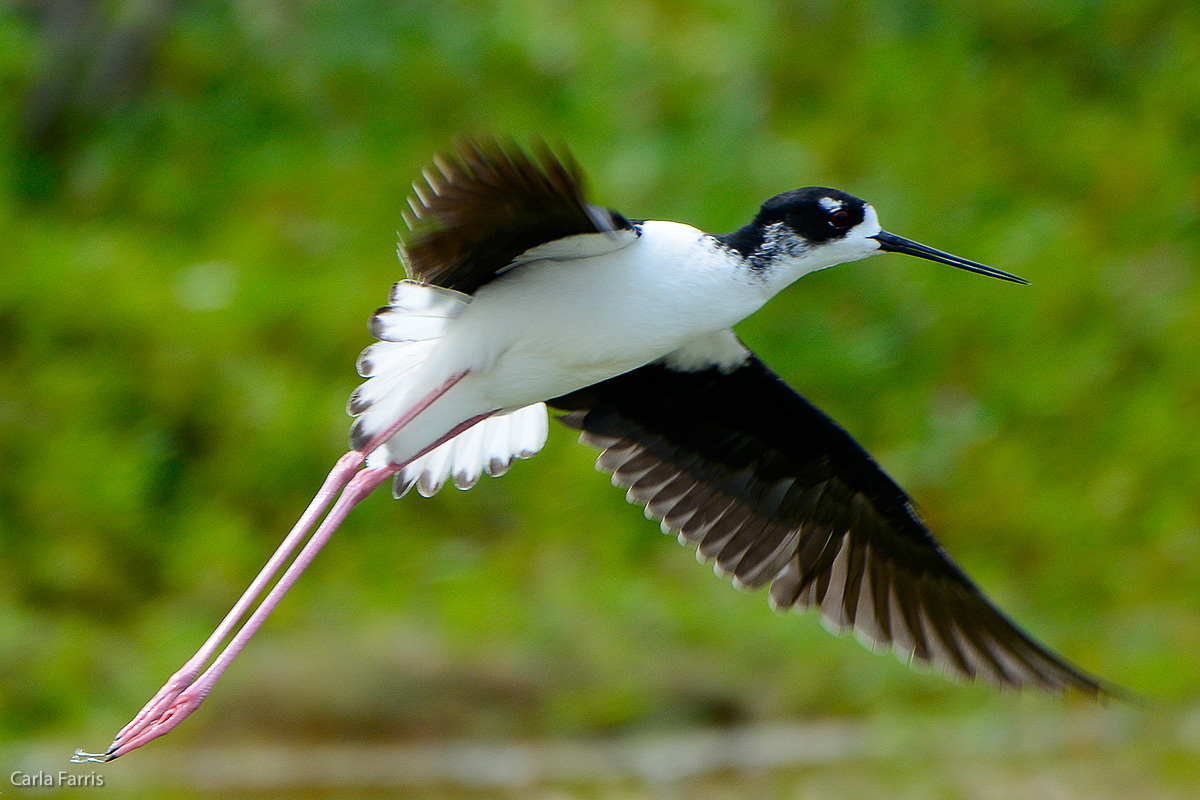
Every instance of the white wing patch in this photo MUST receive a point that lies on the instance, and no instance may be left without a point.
(490, 446)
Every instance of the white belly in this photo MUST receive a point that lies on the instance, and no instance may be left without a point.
(548, 328)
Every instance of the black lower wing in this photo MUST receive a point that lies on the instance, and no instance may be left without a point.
(761, 481)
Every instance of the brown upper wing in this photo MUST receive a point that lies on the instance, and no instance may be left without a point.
(483, 206)
(761, 481)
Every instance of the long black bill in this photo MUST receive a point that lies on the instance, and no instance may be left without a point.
(891, 243)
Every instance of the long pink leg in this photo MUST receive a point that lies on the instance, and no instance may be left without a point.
(190, 698)
(168, 708)
(341, 474)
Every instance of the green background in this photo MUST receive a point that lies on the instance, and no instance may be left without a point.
(198, 212)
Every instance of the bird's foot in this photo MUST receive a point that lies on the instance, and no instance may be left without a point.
(177, 699)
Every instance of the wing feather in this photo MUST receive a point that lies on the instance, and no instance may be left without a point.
(489, 206)
(737, 464)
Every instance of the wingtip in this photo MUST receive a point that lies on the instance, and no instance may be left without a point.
(1105, 692)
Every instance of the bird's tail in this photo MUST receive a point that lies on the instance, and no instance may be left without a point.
(409, 329)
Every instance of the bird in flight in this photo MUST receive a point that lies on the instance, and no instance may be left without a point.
(521, 294)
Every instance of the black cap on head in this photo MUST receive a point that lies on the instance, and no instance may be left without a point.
(816, 213)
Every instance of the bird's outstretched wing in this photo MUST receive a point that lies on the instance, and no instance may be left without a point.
(761, 481)
(488, 206)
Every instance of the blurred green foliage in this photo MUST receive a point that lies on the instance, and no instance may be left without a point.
(198, 205)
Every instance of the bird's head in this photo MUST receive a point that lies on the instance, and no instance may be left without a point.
(808, 229)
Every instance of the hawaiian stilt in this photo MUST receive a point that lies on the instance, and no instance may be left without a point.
(521, 294)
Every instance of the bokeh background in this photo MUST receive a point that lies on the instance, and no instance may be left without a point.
(198, 212)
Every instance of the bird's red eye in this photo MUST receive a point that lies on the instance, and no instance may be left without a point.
(839, 218)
